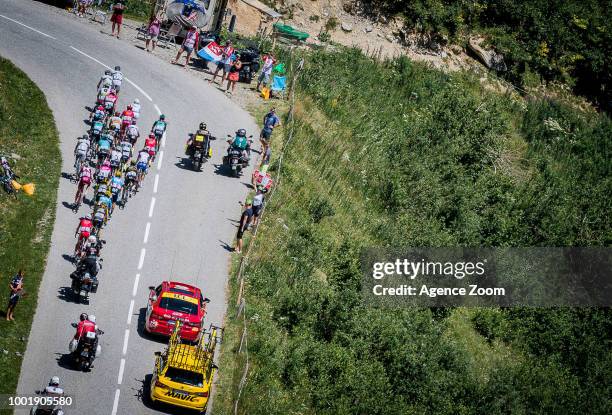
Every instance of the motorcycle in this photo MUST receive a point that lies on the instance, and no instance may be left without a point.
(235, 158)
(198, 154)
(84, 278)
(46, 409)
(85, 350)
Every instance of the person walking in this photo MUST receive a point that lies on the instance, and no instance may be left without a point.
(152, 33)
(16, 292)
(234, 75)
(266, 71)
(225, 62)
(117, 17)
(243, 225)
(270, 121)
(191, 40)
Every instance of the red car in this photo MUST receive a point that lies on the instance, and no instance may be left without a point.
(172, 301)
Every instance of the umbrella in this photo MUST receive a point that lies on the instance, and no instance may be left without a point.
(187, 13)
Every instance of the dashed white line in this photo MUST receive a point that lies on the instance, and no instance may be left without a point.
(121, 369)
(159, 160)
(163, 142)
(142, 257)
(125, 341)
(135, 289)
(116, 402)
(130, 312)
(151, 207)
(156, 183)
(25, 25)
(146, 235)
(157, 109)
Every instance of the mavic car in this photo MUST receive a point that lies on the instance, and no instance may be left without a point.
(173, 301)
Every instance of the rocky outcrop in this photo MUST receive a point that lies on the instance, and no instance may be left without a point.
(489, 57)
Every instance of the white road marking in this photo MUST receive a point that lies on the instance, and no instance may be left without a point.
(156, 183)
(146, 235)
(125, 341)
(140, 90)
(121, 369)
(130, 312)
(142, 257)
(163, 142)
(135, 285)
(90, 57)
(116, 402)
(157, 109)
(159, 160)
(151, 207)
(25, 25)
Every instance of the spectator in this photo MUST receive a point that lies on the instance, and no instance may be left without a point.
(117, 17)
(191, 40)
(266, 70)
(243, 225)
(82, 7)
(258, 202)
(225, 62)
(152, 33)
(16, 287)
(267, 155)
(270, 122)
(234, 75)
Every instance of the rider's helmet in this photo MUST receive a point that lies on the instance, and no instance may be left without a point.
(106, 163)
(92, 240)
(151, 135)
(54, 381)
(85, 137)
(133, 122)
(162, 117)
(129, 107)
(83, 316)
(136, 101)
(241, 132)
(202, 126)
(107, 72)
(117, 113)
(112, 91)
(91, 318)
(117, 68)
(118, 173)
(88, 216)
(133, 162)
(146, 148)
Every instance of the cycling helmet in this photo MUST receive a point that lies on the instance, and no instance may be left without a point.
(129, 107)
(133, 162)
(106, 163)
(54, 381)
(85, 137)
(241, 132)
(117, 113)
(162, 117)
(136, 101)
(91, 318)
(107, 72)
(133, 122)
(88, 216)
(117, 68)
(118, 173)
(202, 126)
(83, 316)
(151, 135)
(112, 91)
(92, 239)
(100, 107)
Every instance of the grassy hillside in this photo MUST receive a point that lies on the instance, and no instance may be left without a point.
(397, 154)
(27, 129)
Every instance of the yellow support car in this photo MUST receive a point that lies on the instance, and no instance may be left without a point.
(184, 372)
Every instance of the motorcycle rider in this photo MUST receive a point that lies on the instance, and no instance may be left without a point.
(240, 142)
(83, 231)
(84, 326)
(194, 142)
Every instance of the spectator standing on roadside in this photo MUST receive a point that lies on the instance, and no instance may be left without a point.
(191, 40)
(258, 202)
(152, 33)
(117, 17)
(243, 225)
(270, 122)
(225, 62)
(266, 70)
(234, 75)
(16, 287)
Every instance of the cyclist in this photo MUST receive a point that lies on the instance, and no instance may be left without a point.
(116, 188)
(98, 113)
(159, 127)
(131, 178)
(99, 217)
(142, 164)
(132, 132)
(106, 80)
(136, 108)
(85, 177)
(117, 78)
(104, 173)
(104, 148)
(80, 152)
(110, 101)
(83, 231)
(126, 152)
(126, 118)
(106, 201)
(115, 159)
(151, 144)
(114, 122)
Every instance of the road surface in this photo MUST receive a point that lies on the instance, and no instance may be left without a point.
(179, 226)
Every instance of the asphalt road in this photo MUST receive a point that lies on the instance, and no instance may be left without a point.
(178, 227)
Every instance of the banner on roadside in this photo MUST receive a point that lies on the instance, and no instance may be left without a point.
(211, 52)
